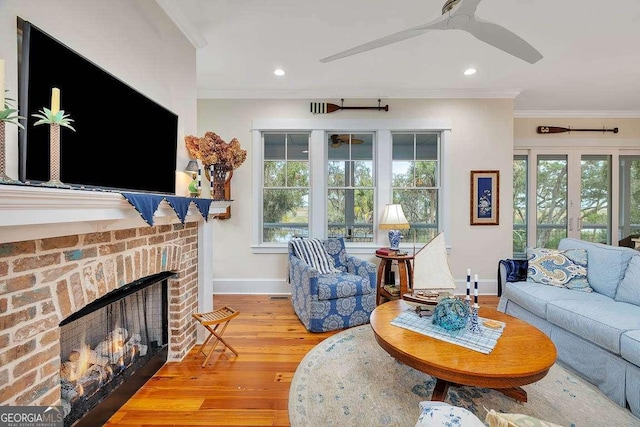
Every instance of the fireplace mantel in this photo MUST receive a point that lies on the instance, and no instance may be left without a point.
(35, 212)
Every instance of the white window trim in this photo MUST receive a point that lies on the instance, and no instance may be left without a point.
(317, 216)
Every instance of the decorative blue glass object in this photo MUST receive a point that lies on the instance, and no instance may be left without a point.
(394, 239)
(451, 314)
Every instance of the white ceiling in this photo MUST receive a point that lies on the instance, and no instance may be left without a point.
(590, 48)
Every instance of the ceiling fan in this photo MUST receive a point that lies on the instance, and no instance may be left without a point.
(456, 15)
(338, 140)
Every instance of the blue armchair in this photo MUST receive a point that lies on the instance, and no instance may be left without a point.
(327, 302)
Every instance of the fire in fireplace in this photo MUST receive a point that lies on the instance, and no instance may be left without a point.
(103, 345)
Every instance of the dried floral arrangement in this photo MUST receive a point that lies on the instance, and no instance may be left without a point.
(211, 149)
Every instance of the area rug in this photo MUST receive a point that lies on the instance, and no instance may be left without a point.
(348, 380)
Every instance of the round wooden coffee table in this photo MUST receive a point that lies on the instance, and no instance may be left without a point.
(523, 354)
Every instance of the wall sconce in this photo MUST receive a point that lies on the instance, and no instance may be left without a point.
(194, 186)
(393, 220)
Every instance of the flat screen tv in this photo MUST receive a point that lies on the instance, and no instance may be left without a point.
(123, 140)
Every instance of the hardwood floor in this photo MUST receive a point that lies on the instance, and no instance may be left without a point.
(251, 389)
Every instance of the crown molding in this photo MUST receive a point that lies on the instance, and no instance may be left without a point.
(172, 10)
(576, 114)
(357, 93)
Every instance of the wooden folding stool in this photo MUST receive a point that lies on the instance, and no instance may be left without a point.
(212, 321)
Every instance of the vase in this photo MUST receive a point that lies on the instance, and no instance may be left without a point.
(3, 160)
(54, 157)
(218, 176)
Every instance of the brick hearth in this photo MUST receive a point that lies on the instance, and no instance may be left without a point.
(44, 280)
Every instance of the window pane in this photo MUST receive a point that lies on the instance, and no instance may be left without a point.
(363, 174)
(274, 174)
(402, 174)
(427, 146)
(336, 174)
(426, 174)
(286, 214)
(551, 203)
(274, 146)
(403, 146)
(297, 146)
(520, 204)
(420, 207)
(595, 192)
(297, 174)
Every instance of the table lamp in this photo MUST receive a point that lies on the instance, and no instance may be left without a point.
(193, 169)
(393, 220)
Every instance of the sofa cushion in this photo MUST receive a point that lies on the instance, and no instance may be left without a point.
(566, 268)
(313, 253)
(630, 346)
(535, 296)
(601, 322)
(332, 286)
(629, 289)
(607, 264)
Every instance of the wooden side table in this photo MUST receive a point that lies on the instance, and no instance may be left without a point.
(405, 271)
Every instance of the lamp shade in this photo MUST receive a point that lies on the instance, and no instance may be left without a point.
(393, 218)
(192, 166)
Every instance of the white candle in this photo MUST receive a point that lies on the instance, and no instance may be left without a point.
(1, 84)
(55, 100)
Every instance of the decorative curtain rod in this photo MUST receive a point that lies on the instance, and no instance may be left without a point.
(325, 107)
(556, 129)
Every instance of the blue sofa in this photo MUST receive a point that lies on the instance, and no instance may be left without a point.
(327, 302)
(597, 334)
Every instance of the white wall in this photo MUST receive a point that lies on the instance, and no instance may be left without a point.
(132, 39)
(481, 138)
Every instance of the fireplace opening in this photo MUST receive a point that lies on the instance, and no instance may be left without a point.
(110, 345)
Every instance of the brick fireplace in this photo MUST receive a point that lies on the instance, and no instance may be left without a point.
(49, 275)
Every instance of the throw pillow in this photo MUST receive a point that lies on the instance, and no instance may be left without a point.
(496, 419)
(441, 414)
(564, 269)
(629, 287)
(313, 253)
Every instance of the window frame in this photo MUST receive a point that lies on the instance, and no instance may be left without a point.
(318, 130)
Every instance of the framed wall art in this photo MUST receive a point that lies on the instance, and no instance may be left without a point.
(485, 197)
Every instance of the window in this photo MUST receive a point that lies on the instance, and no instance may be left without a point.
(520, 204)
(328, 178)
(350, 186)
(416, 181)
(285, 192)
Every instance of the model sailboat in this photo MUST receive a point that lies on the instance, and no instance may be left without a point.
(432, 278)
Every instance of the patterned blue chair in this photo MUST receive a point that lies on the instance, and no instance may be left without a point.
(334, 300)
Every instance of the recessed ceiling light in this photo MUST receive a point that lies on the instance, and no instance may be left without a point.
(469, 71)
(279, 72)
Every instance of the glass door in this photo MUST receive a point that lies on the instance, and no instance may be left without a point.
(572, 197)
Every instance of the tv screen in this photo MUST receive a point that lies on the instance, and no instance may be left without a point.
(122, 140)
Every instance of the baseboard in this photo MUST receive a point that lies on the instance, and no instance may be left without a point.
(251, 286)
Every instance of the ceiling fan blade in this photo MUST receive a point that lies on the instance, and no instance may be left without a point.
(437, 24)
(466, 7)
(503, 39)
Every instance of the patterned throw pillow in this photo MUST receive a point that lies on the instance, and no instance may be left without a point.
(441, 414)
(313, 253)
(563, 269)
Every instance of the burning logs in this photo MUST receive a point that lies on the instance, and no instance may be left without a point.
(86, 369)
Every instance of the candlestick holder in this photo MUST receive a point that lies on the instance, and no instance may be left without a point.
(473, 320)
(3, 176)
(467, 301)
